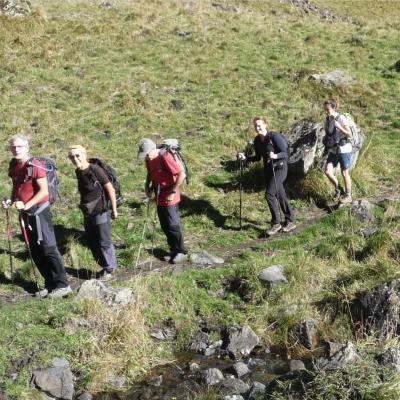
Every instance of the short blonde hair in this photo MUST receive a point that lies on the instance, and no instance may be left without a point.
(19, 136)
(77, 147)
(264, 119)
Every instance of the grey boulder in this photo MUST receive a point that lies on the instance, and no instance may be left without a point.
(56, 381)
(335, 78)
(391, 358)
(363, 211)
(345, 355)
(273, 275)
(306, 333)
(241, 369)
(205, 258)
(212, 376)
(239, 341)
(256, 390)
(96, 290)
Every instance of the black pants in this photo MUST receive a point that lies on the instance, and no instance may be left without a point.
(45, 253)
(171, 225)
(98, 235)
(272, 196)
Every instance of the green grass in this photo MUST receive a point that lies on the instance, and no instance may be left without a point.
(76, 73)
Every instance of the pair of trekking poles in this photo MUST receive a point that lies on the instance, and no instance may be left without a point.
(145, 224)
(240, 167)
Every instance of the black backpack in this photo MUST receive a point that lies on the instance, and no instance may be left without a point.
(174, 148)
(53, 182)
(112, 176)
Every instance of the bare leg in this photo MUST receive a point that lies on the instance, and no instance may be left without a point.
(347, 181)
(331, 176)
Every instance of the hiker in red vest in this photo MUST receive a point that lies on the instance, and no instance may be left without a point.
(164, 177)
(30, 196)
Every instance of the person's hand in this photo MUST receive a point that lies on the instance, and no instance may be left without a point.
(241, 156)
(170, 197)
(272, 156)
(6, 203)
(114, 214)
(19, 205)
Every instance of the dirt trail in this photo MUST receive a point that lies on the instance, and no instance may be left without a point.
(150, 266)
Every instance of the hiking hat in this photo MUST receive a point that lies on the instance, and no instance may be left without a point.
(145, 146)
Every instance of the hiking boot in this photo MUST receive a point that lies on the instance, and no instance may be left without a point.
(347, 199)
(179, 258)
(289, 226)
(60, 292)
(339, 191)
(42, 293)
(106, 276)
(275, 228)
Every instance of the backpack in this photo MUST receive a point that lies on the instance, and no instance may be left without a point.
(53, 182)
(112, 176)
(173, 147)
(356, 139)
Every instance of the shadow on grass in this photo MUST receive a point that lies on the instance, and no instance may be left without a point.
(27, 286)
(191, 207)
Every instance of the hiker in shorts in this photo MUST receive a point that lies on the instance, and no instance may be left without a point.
(98, 205)
(164, 177)
(337, 143)
(273, 148)
(30, 196)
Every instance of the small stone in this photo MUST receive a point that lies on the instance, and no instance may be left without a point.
(19, 325)
(176, 104)
(233, 397)
(296, 365)
(105, 4)
(391, 358)
(256, 390)
(194, 367)
(336, 78)
(306, 333)
(205, 258)
(240, 341)
(241, 369)
(212, 376)
(346, 355)
(288, 311)
(155, 381)
(256, 363)
(273, 275)
(234, 386)
(164, 334)
(199, 342)
(85, 396)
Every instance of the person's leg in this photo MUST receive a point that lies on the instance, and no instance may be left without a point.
(281, 175)
(163, 216)
(271, 197)
(331, 164)
(53, 259)
(107, 260)
(345, 161)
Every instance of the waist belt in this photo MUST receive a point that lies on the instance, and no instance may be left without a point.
(35, 213)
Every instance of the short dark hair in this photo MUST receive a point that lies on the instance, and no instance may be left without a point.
(331, 102)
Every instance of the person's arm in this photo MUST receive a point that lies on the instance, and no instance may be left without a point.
(342, 125)
(179, 180)
(148, 186)
(280, 145)
(37, 198)
(110, 191)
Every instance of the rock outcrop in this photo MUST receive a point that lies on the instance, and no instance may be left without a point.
(239, 341)
(378, 310)
(307, 149)
(15, 8)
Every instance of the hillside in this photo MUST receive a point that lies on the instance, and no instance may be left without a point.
(105, 75)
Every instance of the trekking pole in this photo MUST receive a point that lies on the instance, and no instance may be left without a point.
(143, 233)
(26, 240)
(240, 192)
(154, 227)
(276, 191)
(9, 235)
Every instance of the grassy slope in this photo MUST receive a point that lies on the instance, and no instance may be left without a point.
(105, 78)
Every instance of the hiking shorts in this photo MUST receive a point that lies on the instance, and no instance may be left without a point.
(344, 159)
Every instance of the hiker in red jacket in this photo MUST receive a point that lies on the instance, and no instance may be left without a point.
(30, 196)
(164, 177)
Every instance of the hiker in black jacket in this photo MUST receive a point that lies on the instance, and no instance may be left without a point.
(273, 148)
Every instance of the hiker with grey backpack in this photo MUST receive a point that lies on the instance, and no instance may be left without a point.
(165, 175)
(338, 146)
(273, 149)
(35, 187)
(100, 194)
